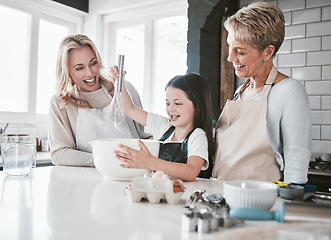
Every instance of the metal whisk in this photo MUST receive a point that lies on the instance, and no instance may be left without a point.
(116, 110)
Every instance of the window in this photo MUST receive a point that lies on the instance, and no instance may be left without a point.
(14, 60)
(30, 39)
(50, 37)
(169, 56)
(154, 45)
(130, 42)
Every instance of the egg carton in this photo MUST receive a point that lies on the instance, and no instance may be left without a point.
(153, 190)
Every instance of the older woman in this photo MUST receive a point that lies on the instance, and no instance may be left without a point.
(264, 133)
(79, 111)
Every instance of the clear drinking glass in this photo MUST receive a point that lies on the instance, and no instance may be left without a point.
(18, 158)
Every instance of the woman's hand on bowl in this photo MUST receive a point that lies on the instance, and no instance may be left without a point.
(135, 158)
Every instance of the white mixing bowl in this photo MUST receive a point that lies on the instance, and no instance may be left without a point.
(106, 163)
(250, 194)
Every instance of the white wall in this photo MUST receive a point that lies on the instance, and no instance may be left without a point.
(306, 56)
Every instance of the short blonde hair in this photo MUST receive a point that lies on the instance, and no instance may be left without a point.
(65, 85)
(259, 24)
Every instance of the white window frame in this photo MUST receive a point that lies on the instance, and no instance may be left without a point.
(142, 13)
(39, 10)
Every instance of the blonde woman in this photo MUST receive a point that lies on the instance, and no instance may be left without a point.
(264, 133)
(79, 110)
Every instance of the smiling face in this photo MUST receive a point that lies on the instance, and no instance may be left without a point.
(179, 108)
(84, 69)
(247, 61)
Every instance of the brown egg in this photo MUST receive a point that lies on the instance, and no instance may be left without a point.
(178, 186)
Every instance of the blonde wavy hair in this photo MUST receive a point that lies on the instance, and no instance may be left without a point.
(260, 24)
(65, 85)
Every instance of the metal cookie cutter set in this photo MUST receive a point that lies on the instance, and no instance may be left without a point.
(154, 189)
(207, 213)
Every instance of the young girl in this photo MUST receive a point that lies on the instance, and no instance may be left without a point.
(187, 133)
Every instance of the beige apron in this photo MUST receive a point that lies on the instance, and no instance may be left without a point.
(243, 150)
(95, 123)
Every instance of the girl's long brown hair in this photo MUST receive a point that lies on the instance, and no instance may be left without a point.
(196, 89)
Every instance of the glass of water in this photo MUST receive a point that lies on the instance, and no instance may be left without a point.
(18, 158)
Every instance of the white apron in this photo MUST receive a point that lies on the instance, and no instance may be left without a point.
(95, 123)
(243, 149)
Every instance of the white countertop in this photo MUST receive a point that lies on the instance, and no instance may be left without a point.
(78, 203)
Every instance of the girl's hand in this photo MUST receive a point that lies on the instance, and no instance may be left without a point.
(114, 74)
(135, 158)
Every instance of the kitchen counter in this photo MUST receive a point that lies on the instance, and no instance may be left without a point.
(78, 203)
